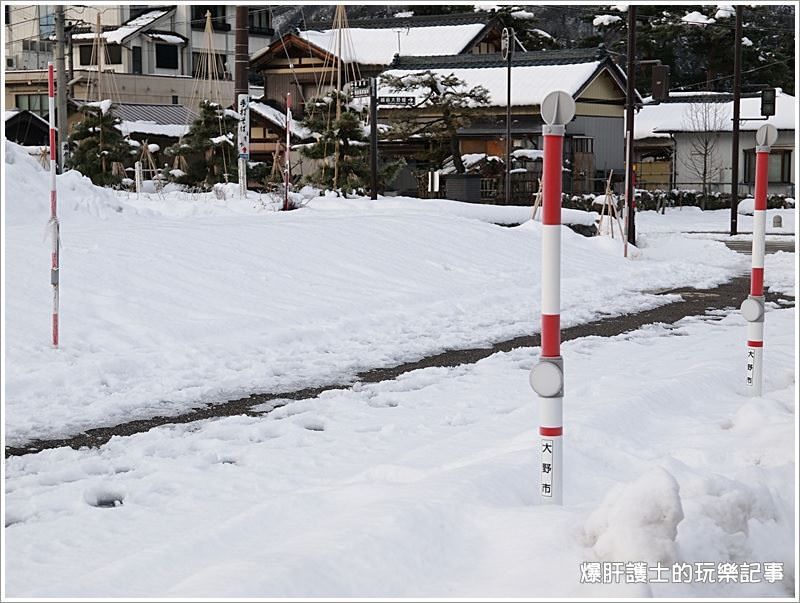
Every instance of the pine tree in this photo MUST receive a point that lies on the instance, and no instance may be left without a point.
(352, 168)
(208, 148)
(452, 102)
(527, 27)
(100, 144)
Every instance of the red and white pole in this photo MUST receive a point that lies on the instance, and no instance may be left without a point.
(547, 376)
(54, 226)
(753, 306)
(287, 155)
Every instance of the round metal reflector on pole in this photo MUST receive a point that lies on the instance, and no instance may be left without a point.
(558, 108)
(505, 44)
(767, 135)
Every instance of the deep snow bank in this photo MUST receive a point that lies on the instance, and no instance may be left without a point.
(177, 301)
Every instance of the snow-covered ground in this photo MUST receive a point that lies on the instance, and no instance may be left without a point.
(425, 485)
(172, 301)
(688, 219)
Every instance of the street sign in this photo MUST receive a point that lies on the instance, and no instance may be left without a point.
(397, 100)
(243, 130)
(766, 135)
(360, 87)
(507, 43)
(558, 108)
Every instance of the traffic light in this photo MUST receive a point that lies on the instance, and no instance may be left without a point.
(768, 102)
(660, 82)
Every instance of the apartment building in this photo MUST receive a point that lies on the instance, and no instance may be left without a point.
(153, 52)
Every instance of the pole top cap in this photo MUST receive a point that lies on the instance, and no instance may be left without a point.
(558, 108)
(767, 135)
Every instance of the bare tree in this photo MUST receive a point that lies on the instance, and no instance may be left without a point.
(703, 122)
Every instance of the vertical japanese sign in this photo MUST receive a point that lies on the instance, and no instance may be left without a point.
(243, 139)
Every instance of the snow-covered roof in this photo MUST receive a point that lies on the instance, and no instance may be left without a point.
(378, 46)
(150, 127)
(534, 82)
(279, 119)
(9, 113)
(118, 35)
(657, 121)
(166, 38)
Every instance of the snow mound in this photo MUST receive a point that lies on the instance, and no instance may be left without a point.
(605, 20)
(697, 18)
(638, 520)
(746, 206)
(27, 191)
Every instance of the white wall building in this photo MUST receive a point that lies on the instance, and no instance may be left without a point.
(691, 135)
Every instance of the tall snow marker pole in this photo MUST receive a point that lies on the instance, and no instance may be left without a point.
(753, 306)
(243, 109)
(547, 376)
(54, 227)
(287, 159)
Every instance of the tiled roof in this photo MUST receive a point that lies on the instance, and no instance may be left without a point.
(520, 59)
(160, 114)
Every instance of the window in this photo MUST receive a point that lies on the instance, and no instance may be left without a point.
(484, 48)
(199, 66)
(37, 45)
(582, 144)
(136, 62)
(166, 56)
(47, 21)
(258, 21)
(113, 55)
(8, 14)
(36, 103)
(217, 17)
(780, 165)
(174, 99)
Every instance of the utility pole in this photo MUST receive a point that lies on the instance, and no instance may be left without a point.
(630, 92)
(242, 56)
(737, 102)
(507, 49)
(373, 137)
(61, 87)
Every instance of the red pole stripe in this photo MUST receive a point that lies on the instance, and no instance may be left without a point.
(55, 329)
(52, 145)
(551, 335)
(551, 431)
(755, 344)
(551, 180)
(757, 282)
(762, 176)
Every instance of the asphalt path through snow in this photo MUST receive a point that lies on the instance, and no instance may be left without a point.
(693, 302)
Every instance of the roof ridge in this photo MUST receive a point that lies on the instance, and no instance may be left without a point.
(528, 58)
(413, 21)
